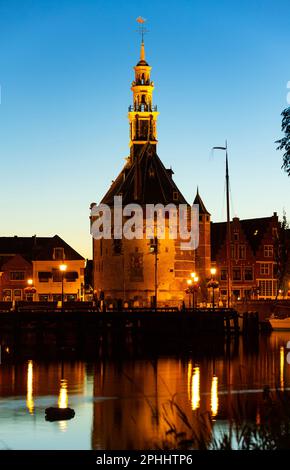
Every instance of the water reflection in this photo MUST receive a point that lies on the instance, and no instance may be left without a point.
(29, 394)
(195, 389)
(63, 402)
(127, 403)
(282, 367)
(63, 396)
(214, 401)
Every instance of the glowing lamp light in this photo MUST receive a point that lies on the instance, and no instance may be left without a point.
(30, 282)
(213, 271)
(192, 275)
(63, 267)
(189, 282)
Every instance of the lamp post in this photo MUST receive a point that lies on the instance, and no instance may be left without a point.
(195, 287)
(29, 290)
(189, 290)
(192, 287)
(213, 284)
(62, 269)
(213, 273)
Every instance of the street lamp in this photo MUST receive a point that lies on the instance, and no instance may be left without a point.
(213, 271)
(213, 284)
(29, 290)
(195, 287)
(62, 269)
(192, 286)
(189, 290)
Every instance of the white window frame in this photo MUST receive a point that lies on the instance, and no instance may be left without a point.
(265, 269)
(268, 251)
(266, 288)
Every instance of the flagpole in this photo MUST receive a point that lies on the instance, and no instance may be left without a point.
(229, 271)
(228, 229)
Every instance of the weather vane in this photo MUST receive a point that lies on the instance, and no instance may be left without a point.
(142, 30)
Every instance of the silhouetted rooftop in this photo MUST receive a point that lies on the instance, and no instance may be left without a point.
(36, 248)
(156, 183)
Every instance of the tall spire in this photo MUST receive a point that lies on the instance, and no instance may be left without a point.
(199, 201)
(142, 113)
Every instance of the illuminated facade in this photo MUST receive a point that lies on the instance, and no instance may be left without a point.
(256, 247)
(127, 270)
(34, 262)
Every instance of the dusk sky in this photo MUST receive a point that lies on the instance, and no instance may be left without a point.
(220, 70)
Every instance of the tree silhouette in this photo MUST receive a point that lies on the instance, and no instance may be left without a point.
(284, 143)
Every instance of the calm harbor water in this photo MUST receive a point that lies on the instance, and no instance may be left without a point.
(123, 403)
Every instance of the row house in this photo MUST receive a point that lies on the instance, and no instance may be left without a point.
(255, 259)
(30, 269)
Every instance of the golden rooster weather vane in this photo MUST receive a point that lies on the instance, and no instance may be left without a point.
(142, 30)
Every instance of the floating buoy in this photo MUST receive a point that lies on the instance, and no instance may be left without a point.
(58, 414)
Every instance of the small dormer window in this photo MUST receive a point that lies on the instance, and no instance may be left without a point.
(175, 195)
(58, 254)
(151, 172)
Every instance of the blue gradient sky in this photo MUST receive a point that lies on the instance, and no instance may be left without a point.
(220, 69)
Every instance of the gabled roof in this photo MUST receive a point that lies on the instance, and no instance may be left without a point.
(254, 230)
(4, 260)
(199, 201)
(144, 181)
(36, 248)
(16, 260)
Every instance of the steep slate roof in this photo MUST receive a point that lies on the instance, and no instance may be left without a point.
(199, 201)
(36, 248)
(254, 230)
(155, 182)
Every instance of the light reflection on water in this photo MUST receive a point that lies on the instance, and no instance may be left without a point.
(195, 388)
(29, 394)
(214, 402)
(121, 404)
